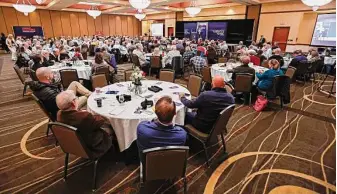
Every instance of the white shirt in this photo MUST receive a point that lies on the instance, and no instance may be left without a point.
(140, 56)
(168, 58)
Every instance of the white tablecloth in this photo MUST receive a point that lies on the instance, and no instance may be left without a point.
(83, 71)
(222, 71)
(125, 123)
(329, 60)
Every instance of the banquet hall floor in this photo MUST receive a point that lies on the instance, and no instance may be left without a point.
(274, 151)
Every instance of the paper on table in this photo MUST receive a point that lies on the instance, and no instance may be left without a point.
(117, 110)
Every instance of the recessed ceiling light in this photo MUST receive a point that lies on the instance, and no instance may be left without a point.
(88, 3)
(166, 7)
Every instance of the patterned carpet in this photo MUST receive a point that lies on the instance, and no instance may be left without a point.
(275, 151)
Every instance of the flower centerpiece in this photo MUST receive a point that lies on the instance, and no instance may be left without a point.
(136, 77)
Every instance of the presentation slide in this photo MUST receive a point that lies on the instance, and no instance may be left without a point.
(325, 30)
(206, 30)
(157, 29)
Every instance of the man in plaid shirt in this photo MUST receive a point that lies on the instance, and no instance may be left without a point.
(198, 62)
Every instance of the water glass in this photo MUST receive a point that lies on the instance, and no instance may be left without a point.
(98, 91)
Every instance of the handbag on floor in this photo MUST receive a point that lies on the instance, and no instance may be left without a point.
(260, 103)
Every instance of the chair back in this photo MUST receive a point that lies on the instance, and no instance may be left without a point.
(229, 88)
(177, 63)
(43, 108)
(194, 84)
(155, 165)
(98, 81)
(206, 75)
(135, 60)
(103, 70)
(314, 65)
(222, 60)
(221, 122)
(243, 82)
(279, 82)
(290, 72)
(19, 73)
(68, 76)
(302, 67)
(155, 62)
(127, 75)
(32, 75)
(166, 75)
(68, 139)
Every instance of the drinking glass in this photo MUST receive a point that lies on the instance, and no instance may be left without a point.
(98, 91)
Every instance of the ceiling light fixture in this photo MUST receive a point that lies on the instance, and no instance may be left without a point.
(193, 9)
(94, 12)
(140, 4)
(23, 7)
(139, 15)
(315, 4)
(88, 3)
(39, 1)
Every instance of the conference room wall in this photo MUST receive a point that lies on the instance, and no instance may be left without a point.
(63, 23)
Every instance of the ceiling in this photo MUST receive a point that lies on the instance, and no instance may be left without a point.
(123, 6)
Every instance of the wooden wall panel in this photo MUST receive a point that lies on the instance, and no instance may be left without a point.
(130, 25)
(98, 24)
(3, 28)
(91, 25)
(22, 19)
(34, 19)
(112, 24)
(46, 23)
(56, 23)
(65, 20)
(10, 17)
(105, 25)
(82, 20)
(136, 27)
(124, 25)
(74, 22)
(118, 25)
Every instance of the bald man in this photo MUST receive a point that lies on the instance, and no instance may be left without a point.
(93, 129)
(46, 90)
(161, 131)
(209, 105)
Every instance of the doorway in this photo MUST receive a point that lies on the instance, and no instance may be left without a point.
(170, 31)
(281, 37)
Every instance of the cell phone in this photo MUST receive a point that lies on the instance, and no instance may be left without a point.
(173, 87)
(111, 92)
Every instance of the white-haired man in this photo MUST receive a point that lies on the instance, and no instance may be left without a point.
(167, 59)
(46, 90)
(141, 57)
(278, 57)
(92, 128)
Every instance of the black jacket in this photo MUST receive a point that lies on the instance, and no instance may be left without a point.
(47, 94)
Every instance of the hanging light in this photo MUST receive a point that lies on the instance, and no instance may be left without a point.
(94, 12)
(315, 4)
(193, 9)
(23, 7)
(140, 4)
(39, 1)
(139, 15)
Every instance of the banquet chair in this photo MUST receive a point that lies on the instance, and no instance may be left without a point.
(290, 72)
(135, 60)
(68, 76)
(302, 70)
(206, 75)
(155, 166)
(243, 83)
(104, 70)
(98, 81)
(43, 108)
(167, 75)
(155, 63)
(177, 65)
(71, 143)
(32, 75)
(229, 88)
(219, 128)
(24, 81)
(194, 84)
(127, 75)
(313, 68)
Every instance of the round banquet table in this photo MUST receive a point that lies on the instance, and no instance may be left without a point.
(221, 70)
(123, 118)
(83, 71)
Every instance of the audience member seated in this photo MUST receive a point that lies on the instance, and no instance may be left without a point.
(161, 131)
(99, 62)
(208, 104)
(55, 56)
(37, 62)
(277, 56)
(22, 58)
(188, 54)
(198, 63)
(253, 58)
(46, 90)
(244, 68)
(93, 129)
(261, 56)
(78, 54)
(266, 79)
(167, 59)
(314, 56)
(144, 64)
(297, 58)
(156, 52)
(211, 55)
(46, 62)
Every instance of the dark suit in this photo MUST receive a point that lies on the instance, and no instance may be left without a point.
(89, 128)
(54, 58)
(242, 69)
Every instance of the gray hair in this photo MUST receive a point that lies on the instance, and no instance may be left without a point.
(139, 46)
(43, 72)
(64, 99)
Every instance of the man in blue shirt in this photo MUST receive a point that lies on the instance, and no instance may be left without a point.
(209, 105)
(297, 58)
(161, 132)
